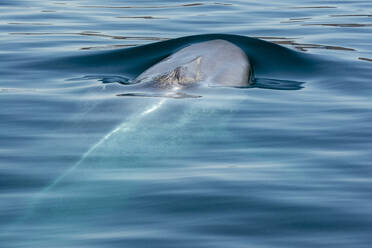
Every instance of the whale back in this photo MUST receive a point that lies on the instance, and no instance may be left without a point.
(215, 62)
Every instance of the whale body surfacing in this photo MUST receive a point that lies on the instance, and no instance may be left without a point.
(214, 63)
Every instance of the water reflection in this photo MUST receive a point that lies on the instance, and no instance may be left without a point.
(142, 17)
(154, 6)
(104, 47)
(93, 33)
(350, 15)
(365, 59)
(342, 25)
(296, 20)
(30, 23)
(314, 7)
(302, 46)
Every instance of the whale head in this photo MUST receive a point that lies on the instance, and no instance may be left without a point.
(213, 63)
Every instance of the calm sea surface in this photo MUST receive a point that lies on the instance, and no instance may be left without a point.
(286, 163)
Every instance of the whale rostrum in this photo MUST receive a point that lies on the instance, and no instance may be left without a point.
(214, 62)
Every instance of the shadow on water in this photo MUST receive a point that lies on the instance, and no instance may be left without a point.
(267, 58)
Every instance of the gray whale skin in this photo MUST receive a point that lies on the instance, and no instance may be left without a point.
(214, 63)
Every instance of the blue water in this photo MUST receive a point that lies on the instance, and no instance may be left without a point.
(265, 166)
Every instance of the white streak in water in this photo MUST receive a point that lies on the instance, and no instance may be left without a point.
(123, 127)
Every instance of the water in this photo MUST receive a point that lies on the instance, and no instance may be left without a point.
(236, 167)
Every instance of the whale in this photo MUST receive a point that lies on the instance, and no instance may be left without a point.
(215, 63)
(209, 63)
(212, 63)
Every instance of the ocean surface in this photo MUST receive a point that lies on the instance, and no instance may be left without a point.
(284, 163)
